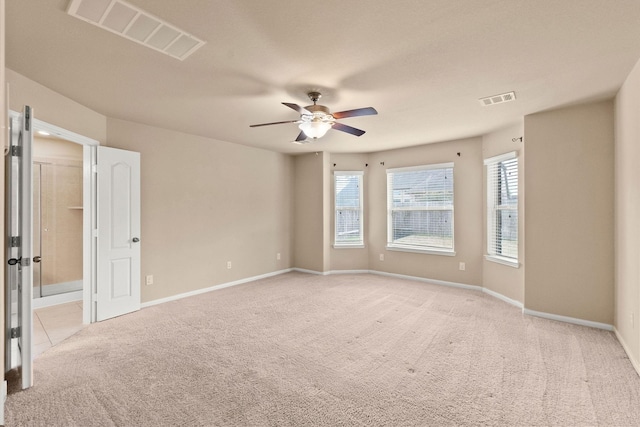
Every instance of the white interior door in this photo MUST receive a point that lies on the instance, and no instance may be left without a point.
(19, 227)
(118, 232)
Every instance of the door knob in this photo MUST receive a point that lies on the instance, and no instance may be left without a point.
(135, 240)
(37, 258)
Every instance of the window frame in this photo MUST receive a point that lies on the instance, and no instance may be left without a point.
(360, 243)
(425, 249)
(493, 206)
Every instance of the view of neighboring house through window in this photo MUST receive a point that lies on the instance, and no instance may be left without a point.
(348, 207)
(420, 208)
(502, 208)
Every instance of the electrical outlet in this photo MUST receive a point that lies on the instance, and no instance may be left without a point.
(381, 257)
(149, 279)
(229, 265)
(278, 256)
(462, 266)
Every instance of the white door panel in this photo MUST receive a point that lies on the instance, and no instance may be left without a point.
(118, 241)
(19, 225)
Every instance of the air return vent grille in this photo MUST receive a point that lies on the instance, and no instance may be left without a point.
(497, 99)
(126, 20)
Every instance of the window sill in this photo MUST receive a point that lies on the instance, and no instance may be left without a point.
(414, 249)
(502, 260)
(343, 246)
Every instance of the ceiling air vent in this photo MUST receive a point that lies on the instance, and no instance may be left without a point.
(497, 99)
(128, 21)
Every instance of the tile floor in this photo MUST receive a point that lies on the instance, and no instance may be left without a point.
(52, 325)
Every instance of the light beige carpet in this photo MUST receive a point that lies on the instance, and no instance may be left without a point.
(345, 350)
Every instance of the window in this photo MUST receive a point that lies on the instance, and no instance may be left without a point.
(420, 209)
(502, 208)
(348, 207)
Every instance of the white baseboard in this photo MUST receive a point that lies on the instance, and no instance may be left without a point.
(625, 347)
(567, 319)
(400, 276)
(426, 280)
(212, 288)
(503, 298)
(304, 270)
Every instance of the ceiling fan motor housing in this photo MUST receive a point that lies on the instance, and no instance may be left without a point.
(320, 114)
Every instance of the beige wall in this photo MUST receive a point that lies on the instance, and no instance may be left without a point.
(54, 108)
(309, 218)
(206, 202)
(627, 206)
(349, 258)
(569, 212)
(505, 280)
(468, 224)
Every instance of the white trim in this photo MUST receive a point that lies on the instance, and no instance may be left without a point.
(58, 131)
(502, 260)
(425, 280)
(503, 298)
(501, 158)
(334, 272)
(489, 292)
(421, 168)
(625, 347)
(567, 319)
(57, 299)
(345, 246)
(304, 270)
(359, 173)
(418, 250)
(212, 288)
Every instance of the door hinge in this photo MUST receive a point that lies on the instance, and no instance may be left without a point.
(16, 151)
(15, 332)
(15, 241)
(27, 118)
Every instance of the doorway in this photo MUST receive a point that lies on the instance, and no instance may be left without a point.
(57, 220)
(84, 209)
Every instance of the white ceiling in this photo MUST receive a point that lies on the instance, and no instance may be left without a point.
(423, 64)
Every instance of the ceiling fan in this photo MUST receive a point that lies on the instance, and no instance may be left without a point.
(315, 120)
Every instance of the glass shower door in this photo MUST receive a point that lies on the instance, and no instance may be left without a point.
(57, 201)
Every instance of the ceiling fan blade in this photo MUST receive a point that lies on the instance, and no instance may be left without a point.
(298, 108)
(367, 111)
(273, 123)
(301, 137)
(348, 129)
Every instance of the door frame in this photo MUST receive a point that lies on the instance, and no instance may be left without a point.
(89, 211)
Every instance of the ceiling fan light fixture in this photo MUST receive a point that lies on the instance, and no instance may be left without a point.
(315, 129)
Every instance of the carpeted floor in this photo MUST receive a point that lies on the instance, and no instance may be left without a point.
(343, 350)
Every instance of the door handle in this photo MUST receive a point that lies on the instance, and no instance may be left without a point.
(135, 240)
(37, 258)
(14, 261)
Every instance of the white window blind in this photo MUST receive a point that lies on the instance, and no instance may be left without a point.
(502, 207)
(420, 208)
(349, 229)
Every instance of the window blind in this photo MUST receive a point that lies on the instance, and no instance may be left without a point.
(349, 229)
(502, 206)
(420, 208)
